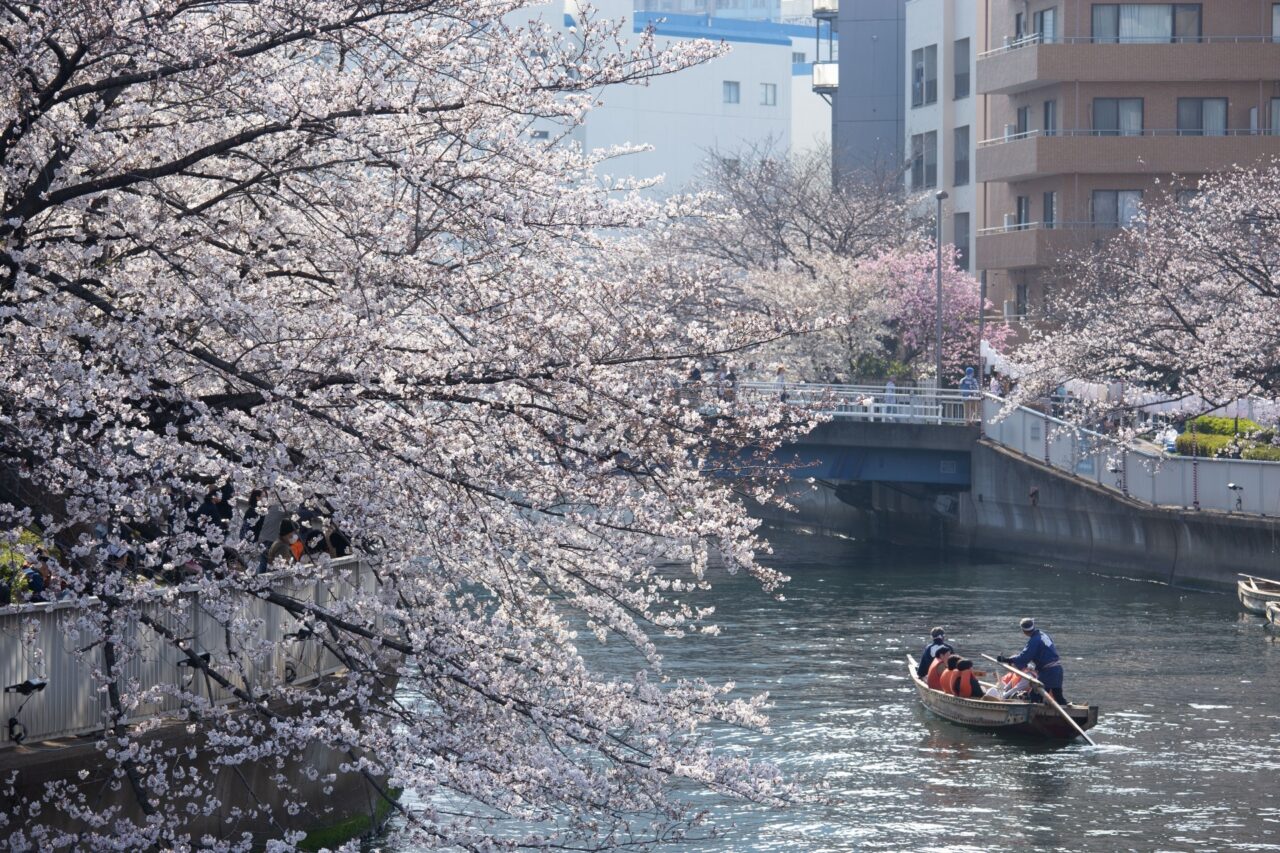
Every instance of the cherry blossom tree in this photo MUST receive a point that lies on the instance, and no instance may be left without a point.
(851, 255)
(1183, 304)
(311, 247)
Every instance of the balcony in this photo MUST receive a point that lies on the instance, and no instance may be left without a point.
(826, 10)
(1034, 244)
(1033, 62)
(1021, 157)
(826, 77)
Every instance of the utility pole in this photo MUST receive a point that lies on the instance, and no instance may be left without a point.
(941, 197)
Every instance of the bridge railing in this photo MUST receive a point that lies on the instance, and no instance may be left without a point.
(869, 402)
(49, 643)
(1227, 485)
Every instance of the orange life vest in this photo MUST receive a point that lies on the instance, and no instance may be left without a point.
(949, 681)
(936, 670)
(964, 683)
(296, 549)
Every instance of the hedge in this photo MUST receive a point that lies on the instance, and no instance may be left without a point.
(1224, 426)
(1206, 444)
(1262, 453)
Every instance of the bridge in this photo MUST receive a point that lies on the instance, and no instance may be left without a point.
(926, 436)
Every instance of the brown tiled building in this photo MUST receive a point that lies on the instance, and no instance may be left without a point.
(1093, 107)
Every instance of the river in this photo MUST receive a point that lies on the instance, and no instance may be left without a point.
(1186, 683)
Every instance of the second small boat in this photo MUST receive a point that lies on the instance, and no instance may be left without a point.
(1256, 593)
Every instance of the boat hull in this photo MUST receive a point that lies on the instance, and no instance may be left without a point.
(1033, 719)
(1255, 596)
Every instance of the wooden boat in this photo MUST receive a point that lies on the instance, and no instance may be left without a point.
(1256, 593)
(1273, 613)
(1025, 718)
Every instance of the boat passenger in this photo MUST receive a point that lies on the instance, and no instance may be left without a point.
(938, 637)
(939, 666)
(1040, 651)
(948, 680)
(964, 683)
(1009, 685)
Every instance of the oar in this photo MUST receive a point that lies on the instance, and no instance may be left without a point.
(1048, 697)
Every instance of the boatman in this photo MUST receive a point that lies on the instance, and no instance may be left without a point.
(1041, 652)
(938, 638)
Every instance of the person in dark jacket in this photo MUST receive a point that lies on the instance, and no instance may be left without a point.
(1041, 651)
(938, 637)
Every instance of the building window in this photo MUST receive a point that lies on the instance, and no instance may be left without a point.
(1137, 23)
(1050, 118)
(1202, 116)
(960, 232)
(1275, 21)
(1023, 124)
(1019, 26)
(961, 140)
(961, 66)
(768, 94)
(797, 57)
(539, 134)
(1116, 208)
(1275, 117)
(1022, 213)
(1050, 217)
(1046, 24)
(924, 160)
(1021, 302)
(732, 92)
(1117, 116)
(924, 75)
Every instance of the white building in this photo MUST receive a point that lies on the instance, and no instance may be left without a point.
(944, 115)
(758, 92)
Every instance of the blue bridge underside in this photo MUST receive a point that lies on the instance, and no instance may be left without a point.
(887, 465)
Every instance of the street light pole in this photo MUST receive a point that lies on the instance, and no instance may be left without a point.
(941, 197)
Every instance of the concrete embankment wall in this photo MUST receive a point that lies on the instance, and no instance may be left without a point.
(1072, 519)
(1017, 509)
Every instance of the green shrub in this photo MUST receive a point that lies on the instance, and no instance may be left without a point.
(1262, 453)
(1224, 426)
(1206, 444)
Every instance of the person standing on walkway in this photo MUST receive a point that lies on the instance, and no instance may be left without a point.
(970, 393)
(1040, 651)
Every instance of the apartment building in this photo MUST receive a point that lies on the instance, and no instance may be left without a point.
(944, 115)
(1094, 108)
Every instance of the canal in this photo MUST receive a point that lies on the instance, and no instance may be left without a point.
(1188, 740)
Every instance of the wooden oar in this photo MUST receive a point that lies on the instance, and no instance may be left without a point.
(1048, 697)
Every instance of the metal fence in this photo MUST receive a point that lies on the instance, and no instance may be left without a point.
(1227, 485)
(920, 405)
(49, 643)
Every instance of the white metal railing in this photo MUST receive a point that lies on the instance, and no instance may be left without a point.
(1055, 225)
(43, 643)
(1116, 133)
(1226, 485)
(1011, 44)
(868, 402)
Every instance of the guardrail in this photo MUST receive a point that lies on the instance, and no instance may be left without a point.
(870, 402)
(43, 643)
